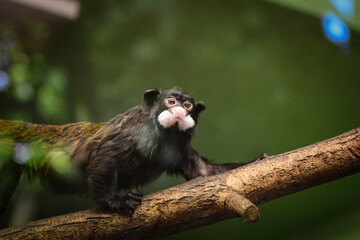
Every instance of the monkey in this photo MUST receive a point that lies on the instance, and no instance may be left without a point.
(130, 150)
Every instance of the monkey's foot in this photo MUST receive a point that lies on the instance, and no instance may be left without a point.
(133, 196)
(125, 203)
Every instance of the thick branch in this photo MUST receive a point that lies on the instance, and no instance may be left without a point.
(207, 200)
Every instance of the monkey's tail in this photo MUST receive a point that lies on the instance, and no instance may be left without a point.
(18, 130)
(24, 131)
(12, 128)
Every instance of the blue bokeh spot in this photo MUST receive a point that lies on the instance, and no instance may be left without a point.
(4, 81)
(335, 29)
(345, 7)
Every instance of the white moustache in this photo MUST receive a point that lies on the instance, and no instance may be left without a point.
(179, 115)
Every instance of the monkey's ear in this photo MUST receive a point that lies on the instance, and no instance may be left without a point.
(199, 107)
(150, 96)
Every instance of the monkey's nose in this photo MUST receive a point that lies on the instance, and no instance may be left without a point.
(179, 111)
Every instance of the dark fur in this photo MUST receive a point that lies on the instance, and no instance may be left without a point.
(136, 149)
(133, 149)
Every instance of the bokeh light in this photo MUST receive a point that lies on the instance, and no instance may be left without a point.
(335, 29)
(21, 153)
(59, 160)
(4, 81)
(345, 7)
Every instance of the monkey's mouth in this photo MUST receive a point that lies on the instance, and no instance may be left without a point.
(176, 116)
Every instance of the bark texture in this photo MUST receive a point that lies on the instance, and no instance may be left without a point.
(207, 200)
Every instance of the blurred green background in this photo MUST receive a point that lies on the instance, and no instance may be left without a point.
(270, 79)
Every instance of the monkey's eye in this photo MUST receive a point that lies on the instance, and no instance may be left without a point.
(188, 105)
(170, 101)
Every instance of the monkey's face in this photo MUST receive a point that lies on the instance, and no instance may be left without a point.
(177, 113)
(175, 109)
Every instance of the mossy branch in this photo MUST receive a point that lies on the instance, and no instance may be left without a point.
(207, 200)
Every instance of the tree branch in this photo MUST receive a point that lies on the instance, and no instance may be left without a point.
(207, 200)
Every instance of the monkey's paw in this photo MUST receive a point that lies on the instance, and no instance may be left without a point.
(263, 156)
(125, 203)
(134, 196)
